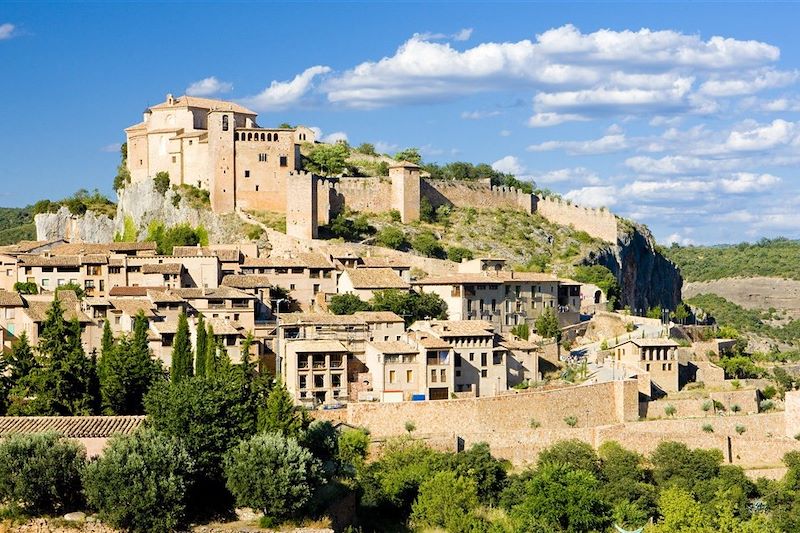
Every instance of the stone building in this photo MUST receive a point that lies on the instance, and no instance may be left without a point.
(657, 358)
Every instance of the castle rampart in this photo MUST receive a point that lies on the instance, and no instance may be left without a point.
(598, 223)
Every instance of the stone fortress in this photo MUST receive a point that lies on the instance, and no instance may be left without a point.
(218, 146)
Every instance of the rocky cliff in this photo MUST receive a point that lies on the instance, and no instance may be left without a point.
(139, 204)
(647, 278)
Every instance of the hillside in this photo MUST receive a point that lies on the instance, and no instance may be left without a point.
(16, 224)
(776, 258)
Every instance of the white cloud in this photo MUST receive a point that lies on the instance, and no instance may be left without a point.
(477, 115)
(779, 105)
(673, 189)
(756, 81)
(505, 133)
(677, 237)
(336, 136)
(593, 196)
(7, 31)
(509, 165)
(606, 144)
(762, 137)
(209, 87)
(544, 120)
(282, 94)
(113, 147)
(383, 147)
(576, 74)
(463, 34)
(746, 182)
(575, 175)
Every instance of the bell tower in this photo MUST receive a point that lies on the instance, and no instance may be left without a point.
(221, 152)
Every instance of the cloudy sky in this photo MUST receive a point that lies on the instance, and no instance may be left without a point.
(684, 116)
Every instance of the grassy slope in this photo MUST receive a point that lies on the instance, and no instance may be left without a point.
(16, 224)
(771, 258)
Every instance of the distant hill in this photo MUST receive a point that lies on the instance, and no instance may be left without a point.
(16, 224)
(776, 258)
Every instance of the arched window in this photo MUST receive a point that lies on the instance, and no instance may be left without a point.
(262, 136)
(250, 136)
(224, 122)
(275, 137)
(302, 136)
(236, 136)
(269, 136)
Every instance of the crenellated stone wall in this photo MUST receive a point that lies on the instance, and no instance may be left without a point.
(599, 223)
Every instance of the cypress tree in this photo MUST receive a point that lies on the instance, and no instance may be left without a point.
(210, 364)
(200, 349)
(281, 415)
(181, 351)
(107, 341)
(21, 361)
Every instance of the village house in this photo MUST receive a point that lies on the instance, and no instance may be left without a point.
(303, 275)
(657, 358)
(363, 282)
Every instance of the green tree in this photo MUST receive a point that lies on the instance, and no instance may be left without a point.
(681, 513)
(352, 449)
(74, 287)
(560, 498)
(181, 351)
(410, 155)
(200, 348)
(675, 464)
(428, 245)
(281, 415)
(459, 253)
(211, 361)
(292, 475)
(681, 313)
(107, 341)
(209, 415)
(426, 212)
(142, 482)
(411, 306)
(20, 361)
(346, 304)
(161, 182)
(327, 159)
(574, 453)
(446, 501)
(128, 371)
(366, 148)
(123, 176)
(478, 465)
(41, 473)
(547, 325)
(391, 237)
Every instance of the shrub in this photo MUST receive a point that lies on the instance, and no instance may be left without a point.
(445, 501)
(740, 429)
(708, 428)
(346, 304)
(571, 421)
(459, 253)
(410, 426)
(766, 405)
(26, 287)
(161, 182)
(769, 392)
(670, 410)
(735, 408)
(535, 423)
(141, 482)
(707, 405)
(254, 232)
(394, 215)
(427, 244)
(523, 331)
(273, 474)
(353, 447)
(391, 237)
(41, 473)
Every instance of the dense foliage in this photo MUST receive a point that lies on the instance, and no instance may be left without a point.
(16, 224)
(181, 235)
(78, 204)
(411, 306)
(41, 474)
(602, 277)
(766, 257)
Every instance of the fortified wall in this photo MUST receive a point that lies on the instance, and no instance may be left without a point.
(404, 189)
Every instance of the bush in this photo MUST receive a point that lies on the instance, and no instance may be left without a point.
(459, 253)
(707, 405)
(346, 304)
(141, 482)
(766, 405)
(769, 392)
(670, 410)
(41, 473)
(161, 182)
(273, 474)
(391, 237)
(571, 421)
(740, 429)
(735, 408)
(26, 287)
(708, 428)
(445, 501)
(535, 424)
(428, 245)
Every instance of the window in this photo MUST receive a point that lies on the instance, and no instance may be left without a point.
(174, 159)
(256, 188)
(275, 137)
(246, 173)
(458, 360)
(391, 376)
(262, 158)
(45, 282)
(316, 288)
(458, 373)
(433, 375)
(302, 382)
(483, 358)
(319, 381)
(224, 122)
(409, 376)
(284, 161)
(442, 375)
(190, 142)
(61, 282)
(291, 286)
(484, 373)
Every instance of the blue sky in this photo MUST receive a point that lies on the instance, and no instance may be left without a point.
(684, 116)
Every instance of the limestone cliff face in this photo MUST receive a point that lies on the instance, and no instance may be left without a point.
(141, 204)
(64, 225)
(647, 278)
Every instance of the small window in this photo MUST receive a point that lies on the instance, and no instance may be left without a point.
(190, 142)
(275, 137)
(391, 376)
(246, 173)
(484, 373)
(174, 159)
(291, 286)
(284, 161)
(256, 188)
(433, 376)
(262, 136)
(409, 376)
(224, 122)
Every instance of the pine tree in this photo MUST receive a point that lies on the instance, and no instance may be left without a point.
(20, 361)
(200, 349)
(128, 372)
(181, 351)
(281, 415)
(210, 364)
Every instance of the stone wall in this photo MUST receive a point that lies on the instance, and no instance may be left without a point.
(747, 400)
(503, 413)
(601, 224)
(372, 195)
(476, 194)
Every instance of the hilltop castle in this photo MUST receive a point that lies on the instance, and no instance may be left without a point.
(218, 146)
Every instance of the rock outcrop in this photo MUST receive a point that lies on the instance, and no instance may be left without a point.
(64, 225)
(647, 278)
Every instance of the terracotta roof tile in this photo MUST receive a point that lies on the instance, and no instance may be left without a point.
(10, 299)
(375, 278)
(246, 281)
(162, 268)
(204, 103)
(393, 347)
